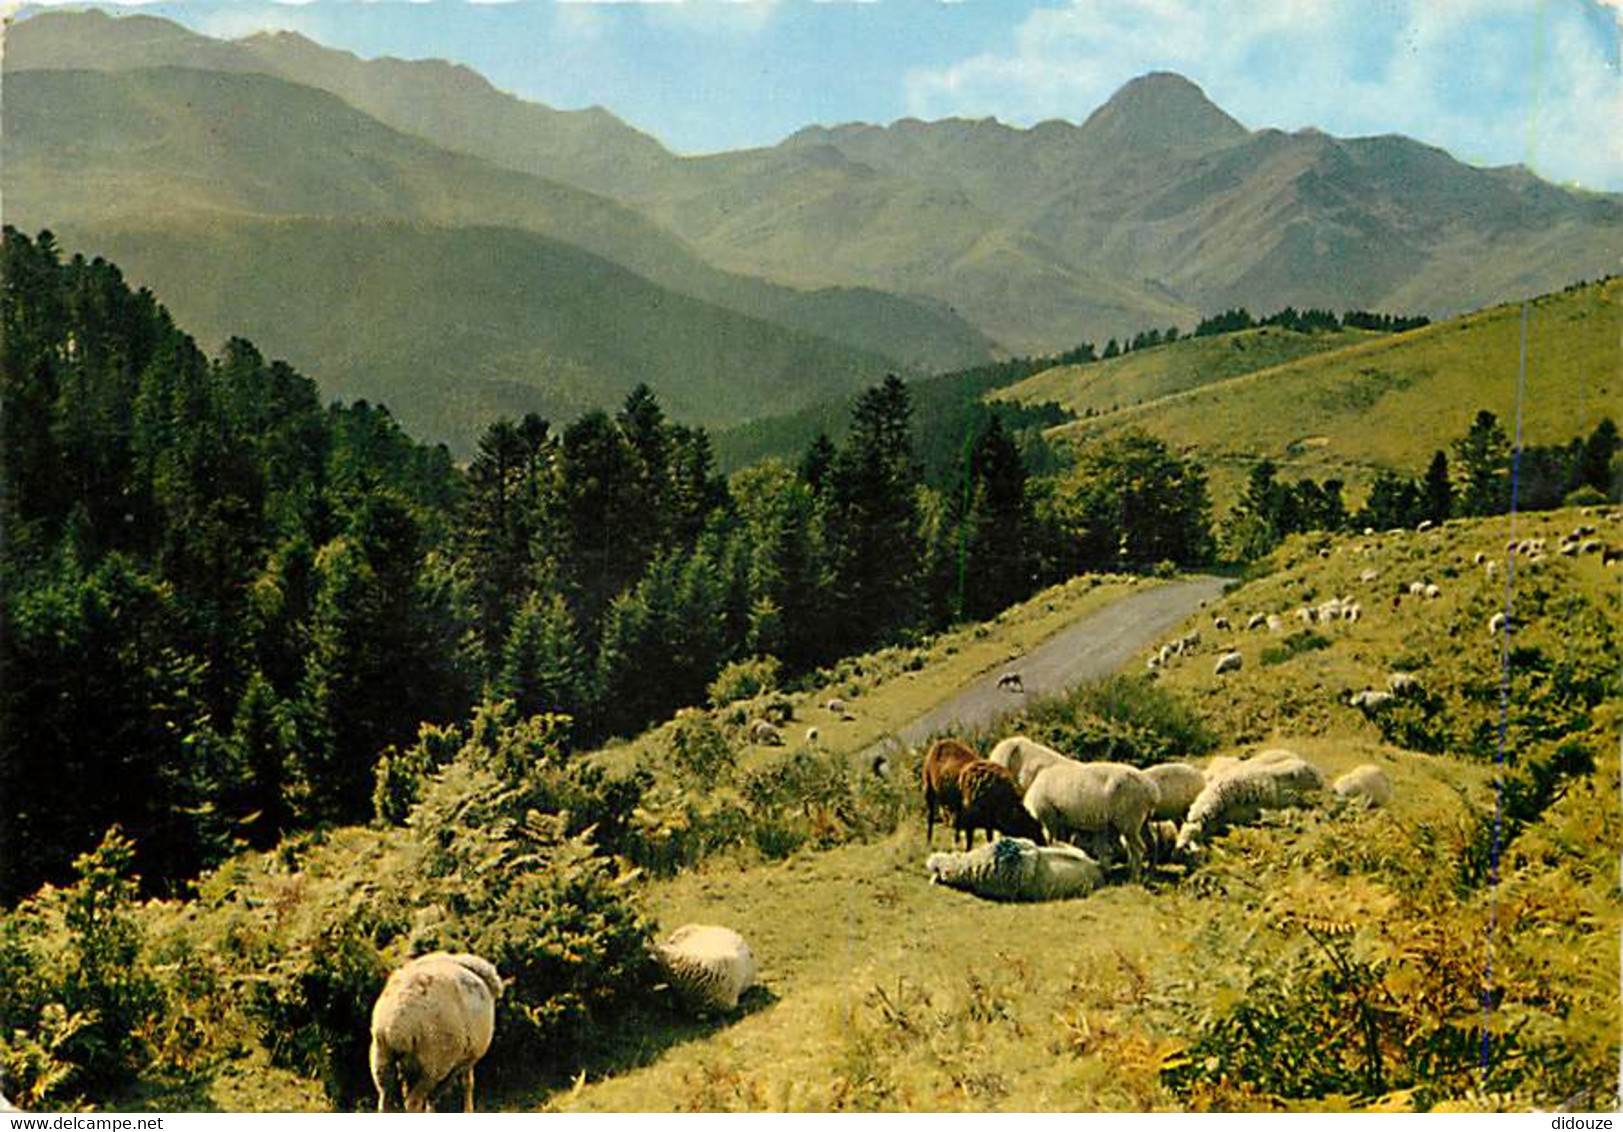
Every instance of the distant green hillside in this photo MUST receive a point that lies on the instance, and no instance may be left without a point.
(1388, 402)
(1144, 375)
(451, 328)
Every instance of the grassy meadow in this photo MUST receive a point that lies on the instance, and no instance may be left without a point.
(1355, 406)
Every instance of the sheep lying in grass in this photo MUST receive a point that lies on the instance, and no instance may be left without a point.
(432, 1023)
(709, 966)
(1179, 785)
(1024, 758)
(991, 801)
(1073, 798)
(1370, 700)
(1014, 868)
(1240, 795)
(1366, 784)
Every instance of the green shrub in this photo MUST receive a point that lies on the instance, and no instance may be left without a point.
(744, 680)
(697, 749)
(313, 1009)
(77, 1000)
(1120, 718)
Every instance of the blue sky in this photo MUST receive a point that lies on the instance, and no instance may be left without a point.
(1495, 82)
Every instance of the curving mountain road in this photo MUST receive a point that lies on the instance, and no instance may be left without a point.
(1093, 646)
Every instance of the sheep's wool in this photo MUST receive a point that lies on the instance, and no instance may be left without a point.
(708, 965)
(1015, 868)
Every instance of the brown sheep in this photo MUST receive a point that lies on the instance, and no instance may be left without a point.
(943, 763)
(991, 801)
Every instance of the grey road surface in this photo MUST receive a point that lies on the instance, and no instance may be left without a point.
(1093, 646)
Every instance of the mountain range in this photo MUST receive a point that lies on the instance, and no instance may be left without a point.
(737, 284)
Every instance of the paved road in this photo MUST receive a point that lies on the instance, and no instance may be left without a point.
(1091, 647)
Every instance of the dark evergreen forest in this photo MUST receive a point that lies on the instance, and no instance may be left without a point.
(224, 602)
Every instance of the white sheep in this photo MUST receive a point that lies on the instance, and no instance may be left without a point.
(1010, 682)
(709, 966)
(1497, 624)
(1403, 684)
(1369, 575)
(837, 707)
(432, 1023)
(1353, 612)
(811, 736)
(1071, 798)
(1478, 558)
(1220, 623)
(1417, 589)
(1180, 784)
(766, 734)
(1220, 765)
(1244, 792)
(1434, 591)
(1370, 700)
(1015, 868)
(1228, 662)
(1367, 784)
(1025, 758)
(1307, 615)
(1256, 621)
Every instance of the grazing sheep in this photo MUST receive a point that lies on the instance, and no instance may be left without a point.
(1276, 624)
(1369, 575)
(837, 707)
(943, 763)
(1153, 663)
(1306, 615)
(1353, 612)
(1244, 792)
(432, 1023)
(1010, 682)
(1072, 798)
(1220, 623)
(1180, 784)
(1367, 784)
(1434, 591)
(1417, 589)
(1478, 558)
(1014, 868)
(709, 966)
(1568, 549)
(1497, 624)
(991, 801)
(1024, 758)
(1425, 525)
(1369, 699)
(1256, 621)
(1590, 546)
(811, 736)
(1228, 662)
(766, 734)
(1403, 684)
(1610, 555)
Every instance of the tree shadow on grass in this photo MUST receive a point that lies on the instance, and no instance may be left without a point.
(641, 1038)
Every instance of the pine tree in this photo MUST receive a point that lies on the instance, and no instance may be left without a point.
(1483, 456)
(1437, 490)
(543, 665)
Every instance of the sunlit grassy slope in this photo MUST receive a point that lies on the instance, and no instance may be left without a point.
(880, 991)
(883, 992)
(1147, 375)
(1388, 402)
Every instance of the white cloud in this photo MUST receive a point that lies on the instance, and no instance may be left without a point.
(1494, 81)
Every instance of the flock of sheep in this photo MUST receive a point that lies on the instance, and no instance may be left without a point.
(1036, 797)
